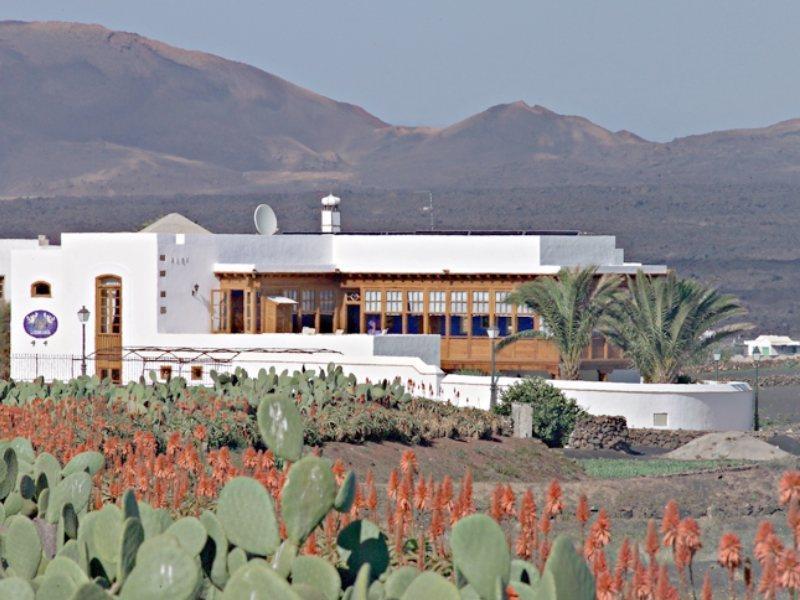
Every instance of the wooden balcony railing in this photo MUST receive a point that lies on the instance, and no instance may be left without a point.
(524, 355)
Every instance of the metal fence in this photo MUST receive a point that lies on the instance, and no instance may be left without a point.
(193, 365)
(27, 367)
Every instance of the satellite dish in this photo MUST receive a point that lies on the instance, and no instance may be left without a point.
(265, 220)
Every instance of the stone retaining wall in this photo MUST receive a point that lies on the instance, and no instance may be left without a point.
(602, 432)
(612, 432)
(662, 438)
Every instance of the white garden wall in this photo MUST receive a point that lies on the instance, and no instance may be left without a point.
(703, 406)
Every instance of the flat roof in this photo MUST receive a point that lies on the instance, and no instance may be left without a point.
(467, 232)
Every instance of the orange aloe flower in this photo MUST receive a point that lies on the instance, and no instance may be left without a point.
(688, 538)
(651, 543)
(789, 571)
(669, 524)
(408, 462)
(555, 503)
(392, 485)
(789, 487)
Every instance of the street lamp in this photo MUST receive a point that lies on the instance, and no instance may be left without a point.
(83, 318)
(717, 357)
(493, 332)
(756, 360)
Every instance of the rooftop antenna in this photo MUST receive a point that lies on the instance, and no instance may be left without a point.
(265, 220)
(429, 208)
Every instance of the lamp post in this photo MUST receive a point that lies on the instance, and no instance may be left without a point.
(717, 357)
(83, 318)
(756, 360)
(492, 332)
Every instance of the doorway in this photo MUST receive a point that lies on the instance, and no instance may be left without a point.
(237, 311)
(353, 318)
(108, 327)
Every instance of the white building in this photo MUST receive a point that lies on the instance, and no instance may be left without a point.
(773, 345)
(179, 300)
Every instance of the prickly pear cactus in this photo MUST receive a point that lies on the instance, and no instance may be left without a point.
(480, 553)
(247, 515)
(281, 426)
(308, 495)
(565, 574)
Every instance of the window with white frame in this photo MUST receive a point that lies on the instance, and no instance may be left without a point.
(327, 301)
(394, 302)
(436, 303)
(458, 303)
(524, 309)
(480, 303)
(372, 301)
(308, 301)
(501, 307)
(416, 302)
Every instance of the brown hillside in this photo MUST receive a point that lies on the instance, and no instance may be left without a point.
(89, 111)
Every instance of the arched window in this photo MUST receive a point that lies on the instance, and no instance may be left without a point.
(40, 289)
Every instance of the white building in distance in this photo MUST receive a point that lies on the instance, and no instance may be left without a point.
(773, 345)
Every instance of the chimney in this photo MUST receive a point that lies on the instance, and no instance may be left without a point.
(331, 218)
(43, 241)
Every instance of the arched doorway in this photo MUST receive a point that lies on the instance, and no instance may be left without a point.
(108, 327)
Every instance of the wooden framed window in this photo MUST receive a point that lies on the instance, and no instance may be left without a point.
(458, 314)
(524, 309)
(165, 372)
(41, 289)
(372, 301)
(2, 287)
(415, 307)
(480, 303)
(327, 301)
(437, 308)
(163, 310)
(436, 303)
(308, 301)
(415, 303)
(109, 309)
(504, 314)
(220, 311)
(394, 303)
(197, 373)
(501, 307)
(480, 313)
(162, 273)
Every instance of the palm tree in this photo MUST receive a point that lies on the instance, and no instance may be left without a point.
(666, 323)
(572, 305)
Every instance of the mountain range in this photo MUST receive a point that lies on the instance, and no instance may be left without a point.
(89, 111)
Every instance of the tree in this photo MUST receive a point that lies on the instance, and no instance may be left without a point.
(572, 305)
(666, 323)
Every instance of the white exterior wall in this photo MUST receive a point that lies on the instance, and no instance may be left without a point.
(191, 260)
(6, 247)
(706, 406)
(71, 270)
(419, 377)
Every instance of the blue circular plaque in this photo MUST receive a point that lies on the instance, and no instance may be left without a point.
(40, 324)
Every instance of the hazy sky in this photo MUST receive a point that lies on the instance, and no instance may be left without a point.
(659, 68)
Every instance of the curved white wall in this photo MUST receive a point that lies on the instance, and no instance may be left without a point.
(702, 406)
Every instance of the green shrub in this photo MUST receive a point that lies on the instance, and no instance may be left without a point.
(554, 415)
